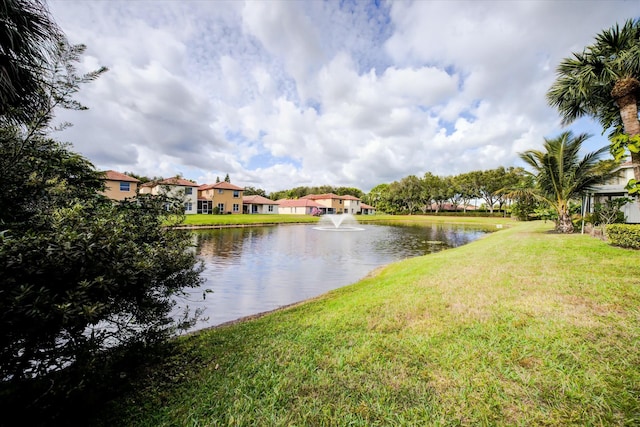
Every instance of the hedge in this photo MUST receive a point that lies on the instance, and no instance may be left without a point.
(624, 235)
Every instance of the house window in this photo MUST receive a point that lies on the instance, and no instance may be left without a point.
(125, 186)
(236, 207)
(188, 206)
(236, 194)
(270, 208)
(188, 190)
(221, 207)
(220, 191)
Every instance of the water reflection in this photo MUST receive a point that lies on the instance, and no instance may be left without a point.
(256, 269)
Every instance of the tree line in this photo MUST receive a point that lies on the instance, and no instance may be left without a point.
(433, 193)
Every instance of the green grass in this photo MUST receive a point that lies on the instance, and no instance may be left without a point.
(240, 219)
(261, 219)
(521, 328)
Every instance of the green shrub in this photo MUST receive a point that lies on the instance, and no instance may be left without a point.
(624, 235)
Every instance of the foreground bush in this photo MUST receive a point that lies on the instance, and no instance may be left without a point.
(624, 235)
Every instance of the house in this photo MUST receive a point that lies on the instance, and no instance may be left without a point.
(334, 204)
(352, 205)
(614, 188)
(329, 203)
(224, 196)
(175, 187)
(367, 210)
(119, 186)
(299, 206)
(256, 204)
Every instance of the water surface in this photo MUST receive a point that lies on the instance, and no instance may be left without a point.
(256, 269)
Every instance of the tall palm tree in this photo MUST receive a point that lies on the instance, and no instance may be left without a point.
(560, 175)
(28, 40)
(603, 82)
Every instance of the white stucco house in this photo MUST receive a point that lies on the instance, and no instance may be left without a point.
(175, 187)
(614, 188)
(256, 204)
(299, 207)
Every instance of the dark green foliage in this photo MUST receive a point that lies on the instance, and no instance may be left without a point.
(624, 235)
(562, 175)
(84, 278)
(80, 272)
(586, 79)
(297, 192)
(252, 191)
(39, 174)
(525, 209)
(28, 39)
(609, 212)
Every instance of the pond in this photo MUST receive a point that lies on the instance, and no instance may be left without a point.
(252, 270)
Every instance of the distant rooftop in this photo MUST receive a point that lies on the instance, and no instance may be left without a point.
(117, 176)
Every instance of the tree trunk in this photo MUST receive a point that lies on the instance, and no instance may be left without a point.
(624, 93)
(564, 224)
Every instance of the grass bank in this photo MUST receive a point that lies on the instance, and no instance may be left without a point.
(523, 327)
(241, 219)
(200, 220)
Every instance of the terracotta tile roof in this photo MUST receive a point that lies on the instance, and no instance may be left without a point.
(365, 206)
(349, 197)
(117, 176)
(220, 185)
(258, 200)
(297, 203)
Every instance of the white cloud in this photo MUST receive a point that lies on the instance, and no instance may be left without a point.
(280, 94)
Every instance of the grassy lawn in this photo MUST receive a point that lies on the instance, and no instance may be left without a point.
(241, 219)
(523, 327)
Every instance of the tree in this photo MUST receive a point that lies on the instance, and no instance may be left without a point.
(435, 187)
(489, 184)
(82, 275)
(560, 175)
(378, 197)
(28, 39)
(227, 179)
(603, 82)
(408, 192)
(466, 188)
(252, 191)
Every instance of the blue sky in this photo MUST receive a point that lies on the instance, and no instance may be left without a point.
(280, 94)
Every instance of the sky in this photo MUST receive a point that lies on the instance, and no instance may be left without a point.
(281, 94)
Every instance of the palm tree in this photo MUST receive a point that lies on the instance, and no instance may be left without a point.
(560, 175)
(603, 82)
(28, 40)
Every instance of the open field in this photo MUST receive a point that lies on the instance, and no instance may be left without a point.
(523, 327)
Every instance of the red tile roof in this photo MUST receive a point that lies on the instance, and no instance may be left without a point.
(220, 185)
(258, 200)
(117, 176)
